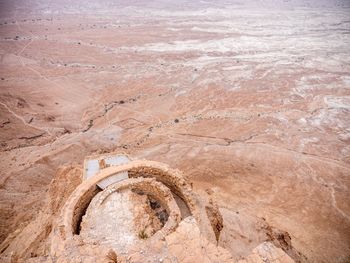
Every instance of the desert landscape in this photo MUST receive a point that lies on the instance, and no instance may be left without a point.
(249, 100)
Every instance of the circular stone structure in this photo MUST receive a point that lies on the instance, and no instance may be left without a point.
(141, 208)
(128, 212)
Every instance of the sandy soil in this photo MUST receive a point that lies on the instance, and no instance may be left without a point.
(250, 100)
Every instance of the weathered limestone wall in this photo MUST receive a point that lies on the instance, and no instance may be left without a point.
(172, 178)
(155, 189)
(81, 197)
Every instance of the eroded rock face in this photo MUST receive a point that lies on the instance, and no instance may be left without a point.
(267, 252)
(215, 218)
(33, 239)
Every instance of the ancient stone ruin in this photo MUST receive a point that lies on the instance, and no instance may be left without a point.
(141, 211)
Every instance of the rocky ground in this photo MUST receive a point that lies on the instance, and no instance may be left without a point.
(251, 101)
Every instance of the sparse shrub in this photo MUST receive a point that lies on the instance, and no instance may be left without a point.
(112, 256)
(143, 234)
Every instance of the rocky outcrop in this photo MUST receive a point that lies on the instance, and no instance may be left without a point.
(32, 240)
(137, 219)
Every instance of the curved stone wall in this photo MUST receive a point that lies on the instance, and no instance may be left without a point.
(158, 191)
(153, 178)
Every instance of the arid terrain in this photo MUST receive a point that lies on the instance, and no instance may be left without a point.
(250, 100)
